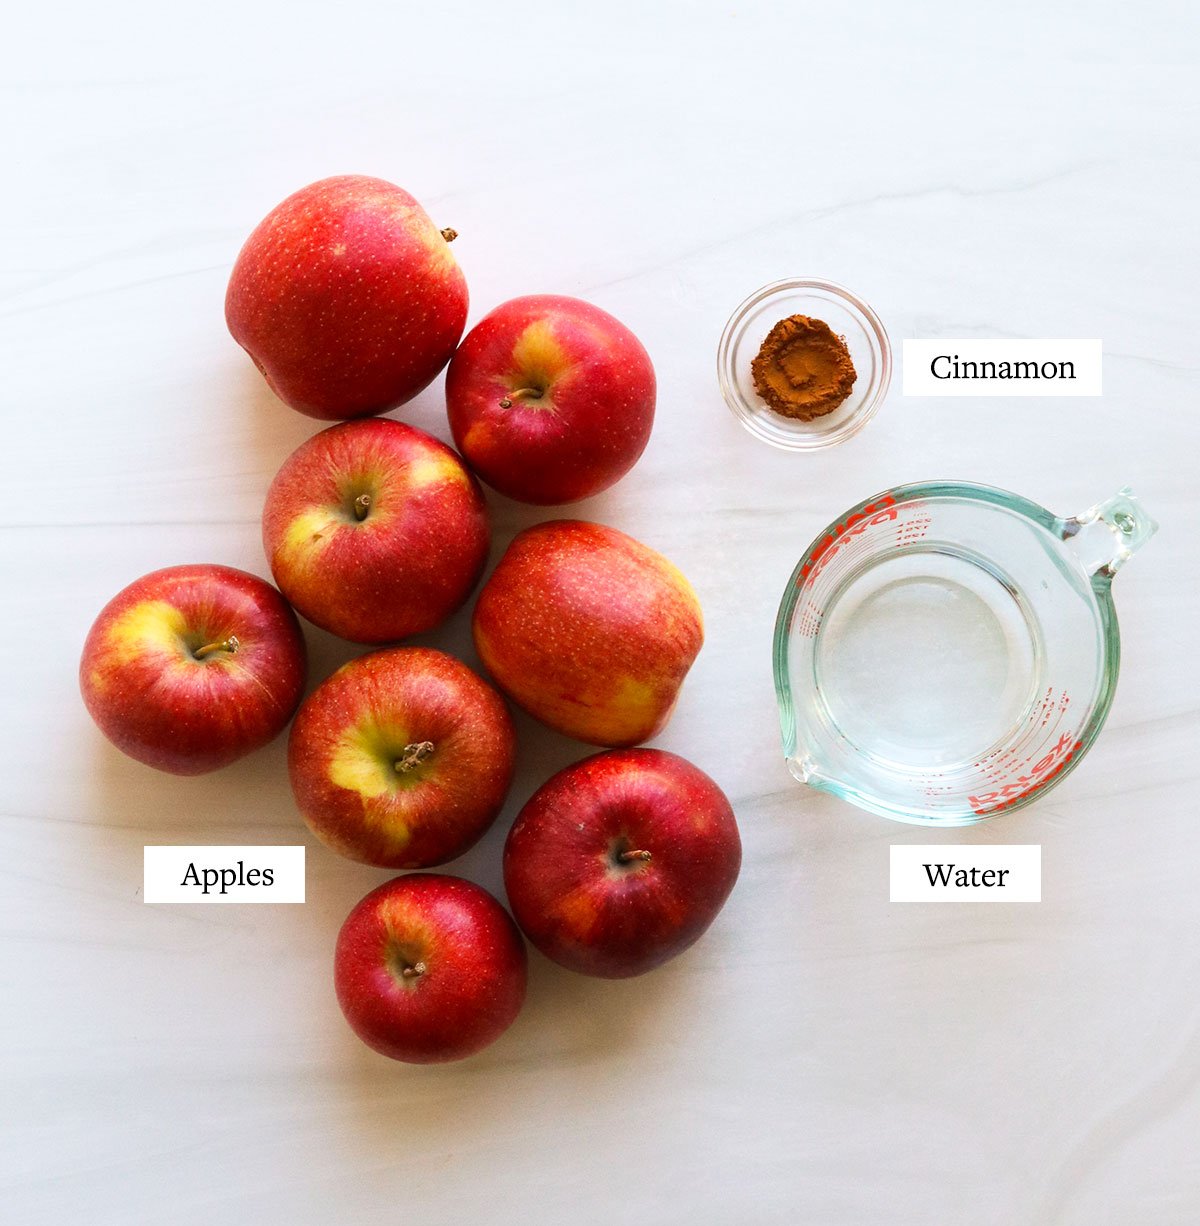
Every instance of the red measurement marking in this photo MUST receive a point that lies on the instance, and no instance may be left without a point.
(1034, 777)
(1041, 729)
(810, 620)
(912, 529)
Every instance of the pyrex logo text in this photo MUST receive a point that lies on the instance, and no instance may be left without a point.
(1039, 773)
(880, 511)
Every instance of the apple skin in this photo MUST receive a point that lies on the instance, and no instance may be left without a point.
(158, 703)
(589, 631)
(588, 406)
(347, 298)
(465, 961)
(404, 567)
(381, 710)
(621, 861)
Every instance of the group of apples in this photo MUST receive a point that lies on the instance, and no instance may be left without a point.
(349, 301)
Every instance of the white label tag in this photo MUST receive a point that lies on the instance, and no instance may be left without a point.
(956, 872)
(1003, 368)
(223, 874)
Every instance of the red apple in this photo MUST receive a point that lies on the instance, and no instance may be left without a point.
(429, 968)
(622, 861)
(402, 758)
(347, 298)
(589, 631)
(191, 667)
(550, 399)
(374, 530)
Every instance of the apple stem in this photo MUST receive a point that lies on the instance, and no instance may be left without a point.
(627, 857)
(362, 504)
(534, 393)
(230, 645)
(449, 235)
(411, 972)
(413, 756)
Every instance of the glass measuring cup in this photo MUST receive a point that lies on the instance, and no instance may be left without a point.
(945, 651)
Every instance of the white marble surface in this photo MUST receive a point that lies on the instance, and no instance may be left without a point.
(822, 1056)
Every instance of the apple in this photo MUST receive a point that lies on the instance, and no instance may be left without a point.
(429, 968)
(374, 530)
(550, 399)
(191, 667)
(402, 758)
(621, 861)
(589, 631)
(347, 298)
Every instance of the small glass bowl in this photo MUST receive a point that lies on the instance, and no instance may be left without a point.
(849, 317)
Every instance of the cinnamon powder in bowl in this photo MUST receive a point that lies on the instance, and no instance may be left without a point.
(803, 369)
(804, 363)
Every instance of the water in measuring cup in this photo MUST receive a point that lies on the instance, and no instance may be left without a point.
(927, 658)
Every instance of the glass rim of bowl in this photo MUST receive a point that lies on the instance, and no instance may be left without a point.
(774, 428)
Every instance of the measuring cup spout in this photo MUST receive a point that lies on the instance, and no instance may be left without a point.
(1107, 535)
(803, 768)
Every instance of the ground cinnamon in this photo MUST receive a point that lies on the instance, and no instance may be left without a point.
(803, 369)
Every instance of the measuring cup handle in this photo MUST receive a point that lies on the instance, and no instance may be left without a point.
(1107, 535)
